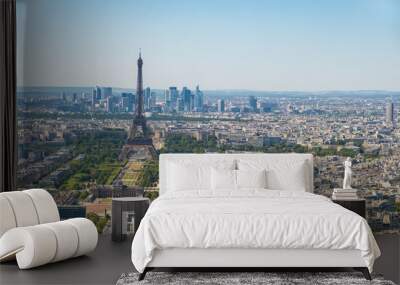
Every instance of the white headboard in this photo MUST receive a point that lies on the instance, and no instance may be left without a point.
(209, 158)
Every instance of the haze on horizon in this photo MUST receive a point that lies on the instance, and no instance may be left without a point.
(271, 45)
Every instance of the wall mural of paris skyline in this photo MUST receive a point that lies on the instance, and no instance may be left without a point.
(218, 76)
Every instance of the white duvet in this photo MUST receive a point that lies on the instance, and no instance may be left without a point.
(250, 219)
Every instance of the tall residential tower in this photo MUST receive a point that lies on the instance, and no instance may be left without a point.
(390, 115)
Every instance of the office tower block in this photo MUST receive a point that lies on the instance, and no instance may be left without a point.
(253, 103)
(198, 100)
(167, 98)
(106, 92)
(180, 105)
(94, 97)
(127, 102)
(173, 95)
(98, 93)
(221, 105)
(153, 99)
(124, 104)
(186, 96)
(111, 104)
(390, 115)
(146, 99)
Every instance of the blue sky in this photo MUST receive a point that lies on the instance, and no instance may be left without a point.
(219, 44)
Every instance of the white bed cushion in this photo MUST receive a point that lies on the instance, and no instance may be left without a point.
(251, 179)
(184, 177)
(287, 178)
(223, 179)
(281, 175)
(188, 175)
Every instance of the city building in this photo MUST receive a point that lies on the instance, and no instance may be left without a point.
(98, 93)
(128, 101)
(94, 98)
(111, 106)
(146, 99)
(198, 100)
(186, 96)
(153, 100)
(106, 92)
(221, 105)
(253, 103)
(390, 115)
(174, 94)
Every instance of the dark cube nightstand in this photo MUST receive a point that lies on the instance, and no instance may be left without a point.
(127, 212)
(355, 205)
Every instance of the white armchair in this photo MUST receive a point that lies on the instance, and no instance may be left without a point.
(31, 230)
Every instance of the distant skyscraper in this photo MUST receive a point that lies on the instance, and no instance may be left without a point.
(390, 116)
(180, 106)
(191, 105)
(174, 93)
(128, 101)
(124, 104)
(94, 97)
(173, 97)
(110, 104)
(221, 105)
(198, 100)
(146, 98)
(106, 92)
(98, 92)
(153, 99)
(253, 103)
(167, 98)
(186, 96)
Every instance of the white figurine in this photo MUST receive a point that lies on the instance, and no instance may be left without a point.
(347, 174)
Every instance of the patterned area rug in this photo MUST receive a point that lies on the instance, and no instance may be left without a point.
(229, 278)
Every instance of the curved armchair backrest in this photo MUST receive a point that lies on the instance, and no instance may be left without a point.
(26, 208)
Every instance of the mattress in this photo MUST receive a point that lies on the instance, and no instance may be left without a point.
(250, 219)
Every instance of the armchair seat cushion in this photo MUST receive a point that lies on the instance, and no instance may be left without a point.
(31, 231)
(40, 244)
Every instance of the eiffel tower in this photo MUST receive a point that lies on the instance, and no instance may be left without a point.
(138, 137)
(138, 131)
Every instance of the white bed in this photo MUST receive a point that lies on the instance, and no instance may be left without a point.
(232, 226)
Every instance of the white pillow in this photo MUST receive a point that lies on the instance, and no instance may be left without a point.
(182, 177)
(291, 178)
(281, 174)
(193, 175)
(223, 179)
(251, 178)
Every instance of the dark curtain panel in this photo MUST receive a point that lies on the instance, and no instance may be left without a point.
(8, 134)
